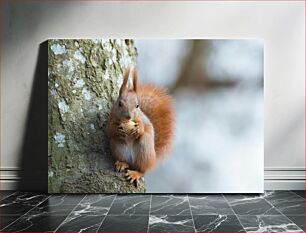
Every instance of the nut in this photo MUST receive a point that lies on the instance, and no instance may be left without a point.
(127, 126)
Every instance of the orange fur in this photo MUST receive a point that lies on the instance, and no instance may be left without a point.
(159, 108)
(146, 155)
(152, 111)
(125, 80)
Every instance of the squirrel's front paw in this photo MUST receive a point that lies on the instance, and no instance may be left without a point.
(134, 176)
(121, 166)
(121, 132)
(135, 130)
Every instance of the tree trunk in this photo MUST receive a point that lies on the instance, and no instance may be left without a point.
(84, 77)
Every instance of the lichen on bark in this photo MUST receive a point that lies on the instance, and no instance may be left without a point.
(84, 77)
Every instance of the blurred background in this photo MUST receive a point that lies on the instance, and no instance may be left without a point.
(218, 90)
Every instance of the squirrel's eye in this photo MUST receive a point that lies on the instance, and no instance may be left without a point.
(137, 106)
(120, 104)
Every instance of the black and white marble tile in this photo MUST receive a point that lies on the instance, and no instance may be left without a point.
(217, 223)
(69, 199)
(88, 214)
(7, 220)
(127, 205)
(300, 193)
(125, 223)
(286, 202)
(250, 205)
(35, 223)
(5, 194)
(21, 202)
(299, 220)
(170, 205)
(57, 205)
(81, 223)
(268, 223)
(95, 204)
(164, 223)
(47, 215)
(25, 211)
(209, 205)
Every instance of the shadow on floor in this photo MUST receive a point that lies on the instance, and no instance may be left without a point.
(34, 159)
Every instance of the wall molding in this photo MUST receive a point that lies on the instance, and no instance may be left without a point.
(285, 169)
(10, 169)
(283, 178)
(284, 185)
(10, 179)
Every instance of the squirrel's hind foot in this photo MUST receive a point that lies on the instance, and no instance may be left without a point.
(133, 176)
(121, 166)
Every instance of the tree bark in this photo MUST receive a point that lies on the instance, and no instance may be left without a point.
(84, 77)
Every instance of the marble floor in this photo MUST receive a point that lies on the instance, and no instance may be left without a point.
(273, 211)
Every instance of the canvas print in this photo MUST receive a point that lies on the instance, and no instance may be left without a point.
(155, 116)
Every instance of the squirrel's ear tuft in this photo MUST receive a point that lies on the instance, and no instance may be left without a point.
(135, 79)
(125, 80)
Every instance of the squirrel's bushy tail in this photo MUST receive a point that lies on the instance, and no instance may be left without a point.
(159, 108)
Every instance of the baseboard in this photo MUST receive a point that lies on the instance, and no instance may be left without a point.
(284, 178)
(276, 178)
(10, 179)
(8, 185)
(284, 185)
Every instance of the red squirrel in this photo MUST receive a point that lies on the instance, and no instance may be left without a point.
(150, 135)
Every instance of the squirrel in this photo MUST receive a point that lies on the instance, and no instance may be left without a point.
(140, 127)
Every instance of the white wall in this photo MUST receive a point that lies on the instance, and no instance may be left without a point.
(280, 24)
